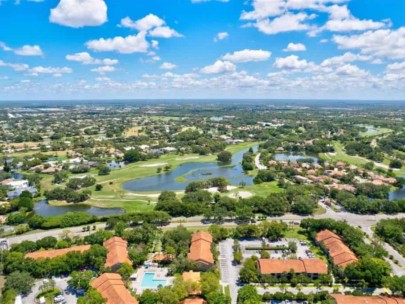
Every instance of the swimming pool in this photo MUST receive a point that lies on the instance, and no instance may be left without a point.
(149, 281)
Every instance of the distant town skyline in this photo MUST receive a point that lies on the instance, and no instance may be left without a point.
(155, 49)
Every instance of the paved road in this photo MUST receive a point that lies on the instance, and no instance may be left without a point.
(55, 232)
(258, 164)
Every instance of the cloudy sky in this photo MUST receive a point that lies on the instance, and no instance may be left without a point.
(91, 49)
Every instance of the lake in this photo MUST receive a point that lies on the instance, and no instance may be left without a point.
(42, 208)
(293, 157)
(397, 194)
(192, 172)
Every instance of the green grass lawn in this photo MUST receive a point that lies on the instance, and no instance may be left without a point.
(296, 233)
(341, 155)
(380, 131)
(262, 189)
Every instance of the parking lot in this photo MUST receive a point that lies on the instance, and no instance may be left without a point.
(69, 296)
(303, 250)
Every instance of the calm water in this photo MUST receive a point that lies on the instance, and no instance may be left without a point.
(293, 157)
(192, 172)
(398, 194)
(149, 281)
(42, 208)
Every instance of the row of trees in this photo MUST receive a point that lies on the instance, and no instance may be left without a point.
(392, 231)
(362, 204)
(67, 194)
(299, 199)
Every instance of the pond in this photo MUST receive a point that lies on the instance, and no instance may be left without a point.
(371, 130)
(293, 157)
(397, 194)
(192, 172)
(42, 208)
(17, 175)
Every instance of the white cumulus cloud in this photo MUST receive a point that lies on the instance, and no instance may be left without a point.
(380, 43)
(86, 58)
(79, 13)
(247, 55)
(167, 66)
(125, 45)
(292, 62)
(152, 24)
(219, 67)
(295, 47)
(29, 50)
(221, 36)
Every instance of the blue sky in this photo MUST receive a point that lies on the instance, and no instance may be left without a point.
(91, 49)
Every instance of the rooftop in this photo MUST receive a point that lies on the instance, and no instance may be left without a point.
(200, 249)
(112, 289)
(345, 299)
(338, 251)
(50, 254)
(117, 252)
(310, 266)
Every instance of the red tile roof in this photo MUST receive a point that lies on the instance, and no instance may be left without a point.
(341, 254)
(200, 249)
(194, 301)
(50, 254)
(193, 277)
(309, 266)
(117, 252)
(344, 299)
(112, 289)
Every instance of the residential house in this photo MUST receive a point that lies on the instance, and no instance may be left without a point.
(346, 299)
(340, 254)
(117, 252)
(200, 249)
(310, 267)
(112, 289)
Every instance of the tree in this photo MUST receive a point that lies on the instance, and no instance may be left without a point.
(224, 156)
(81, 279)
(395, 164)
(125, 271)
(371, 270)
(92, 296)
(218, 233)
(25, 202)
(304, 205)
(99, 187)
(104, 170)
(209, 282)
(248, 295)
(133, 156)
(218, 298)
(396, 284)
(249, 272)
(21, 282)
(149, 297)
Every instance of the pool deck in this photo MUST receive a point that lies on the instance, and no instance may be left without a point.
(160, 274)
